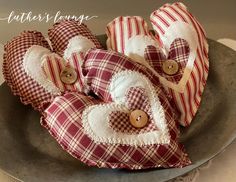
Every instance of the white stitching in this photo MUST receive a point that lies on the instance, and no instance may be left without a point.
(156, 137)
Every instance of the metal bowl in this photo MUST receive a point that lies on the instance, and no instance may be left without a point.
(29, 153)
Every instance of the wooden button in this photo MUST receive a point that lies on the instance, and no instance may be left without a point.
(170, 67)
(138, 118)
(68, 75)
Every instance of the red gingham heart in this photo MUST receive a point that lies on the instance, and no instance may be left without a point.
(29, 90)
(65, 119)
(136, 98)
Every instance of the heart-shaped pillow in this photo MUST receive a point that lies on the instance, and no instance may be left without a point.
(174, 24)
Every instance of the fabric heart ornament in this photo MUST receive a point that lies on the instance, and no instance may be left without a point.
(25, 50)
(136, 101)
(183, 41)
(65, 74)
(34, 73)
(173, 65)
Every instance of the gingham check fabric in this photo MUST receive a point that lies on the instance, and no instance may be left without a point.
(63, 31)
(189, 100)
(136, 98)
(63, 120)
(30, 91)
(179, 52)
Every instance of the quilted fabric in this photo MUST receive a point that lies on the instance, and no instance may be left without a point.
(28, 89)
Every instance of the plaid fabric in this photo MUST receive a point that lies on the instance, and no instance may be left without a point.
(53, 65)
(100, 65)
(63, 31)
(189, 100)
(136, 99)
(63, 120)
(30, 91)
(179, 51)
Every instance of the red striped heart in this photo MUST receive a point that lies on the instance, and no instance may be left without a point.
(53, 65)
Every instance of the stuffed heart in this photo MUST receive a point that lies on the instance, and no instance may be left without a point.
(177, 54)
(91, 130)
(57, 68)
(37, 92)
(77, 123)
(25, 54)
(146, 136)
(180, 23)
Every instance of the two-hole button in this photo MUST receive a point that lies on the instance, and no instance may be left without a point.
(138, 118)
(68, 75)
(170, 67)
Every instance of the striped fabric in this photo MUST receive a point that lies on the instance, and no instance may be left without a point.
(53, 65)
(121, 29)
(28, 89)
(188, 101)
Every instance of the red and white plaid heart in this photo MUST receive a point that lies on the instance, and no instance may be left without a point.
(179, 52)
(99, 128)
(83, 127)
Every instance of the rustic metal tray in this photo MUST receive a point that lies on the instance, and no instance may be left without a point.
(29, 153)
